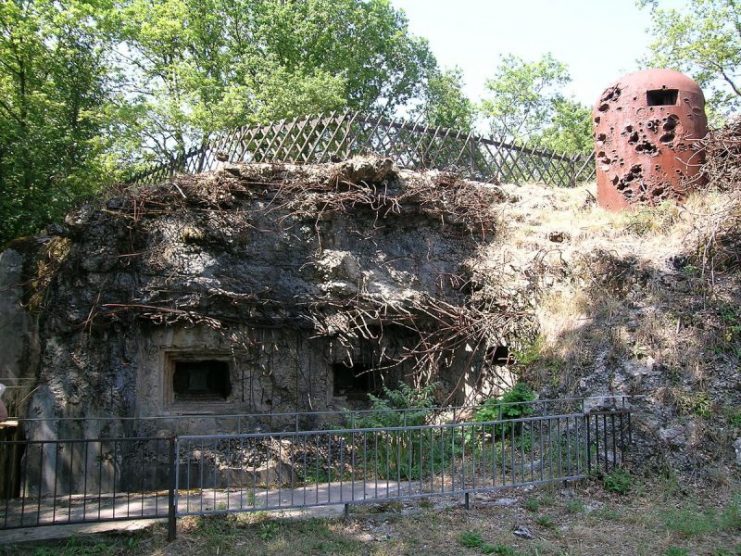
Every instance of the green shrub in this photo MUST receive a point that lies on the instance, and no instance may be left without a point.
(512, 405)
(402, 454)
(404, 405)
(618, 481)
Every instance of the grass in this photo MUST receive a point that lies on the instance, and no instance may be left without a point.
(474, 540)
(691, 520)
(652, 520)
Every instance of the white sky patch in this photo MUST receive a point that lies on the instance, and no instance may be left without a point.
(598, 40)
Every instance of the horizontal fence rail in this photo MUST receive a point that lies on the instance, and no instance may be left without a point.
(357, 457)
(111, 427)
(327, 138)
(281, 471)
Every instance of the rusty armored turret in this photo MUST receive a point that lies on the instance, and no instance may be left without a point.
(646, 127)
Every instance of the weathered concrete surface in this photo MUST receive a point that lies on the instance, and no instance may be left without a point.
(285, 273)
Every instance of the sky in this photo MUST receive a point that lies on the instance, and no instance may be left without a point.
(599, 40)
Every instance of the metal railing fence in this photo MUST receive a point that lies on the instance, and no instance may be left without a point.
(86, 480)
(336, 136)
(182, 424)
(91, 480)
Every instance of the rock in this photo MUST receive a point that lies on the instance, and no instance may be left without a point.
(558, 237)
(505, 501)
(737, 448)
(232, 169)
(674, 436)
(56, 230)
(522, 532)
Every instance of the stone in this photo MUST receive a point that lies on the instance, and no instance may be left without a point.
(737, 448)
(522, 532)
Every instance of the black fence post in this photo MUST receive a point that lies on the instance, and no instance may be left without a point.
(589, 446)
(171, 508)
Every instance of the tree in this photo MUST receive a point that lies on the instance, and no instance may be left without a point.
(209, 65)
(53, 109)
(705, 42)
(527, 104)
(445, 103)
(570, 130)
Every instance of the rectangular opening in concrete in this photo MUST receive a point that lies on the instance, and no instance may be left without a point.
(200, 380)
(662, 97)
(354, 383)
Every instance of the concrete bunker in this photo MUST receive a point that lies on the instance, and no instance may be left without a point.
(221, 301)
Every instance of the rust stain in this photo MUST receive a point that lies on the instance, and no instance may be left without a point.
(646, 128)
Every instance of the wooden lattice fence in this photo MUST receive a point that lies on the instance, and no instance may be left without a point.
(317, 139)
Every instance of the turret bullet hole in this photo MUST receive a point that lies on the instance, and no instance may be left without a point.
(667, 137)
(596, 119)
(601, 138)
(604, 107)
(647, 147)
(633, 139)
(670, 122)
(611, 94)
(652, 125)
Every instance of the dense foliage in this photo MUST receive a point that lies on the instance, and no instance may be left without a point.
(526, 103)
(54, 109)
(704, 41)
(91, 87)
